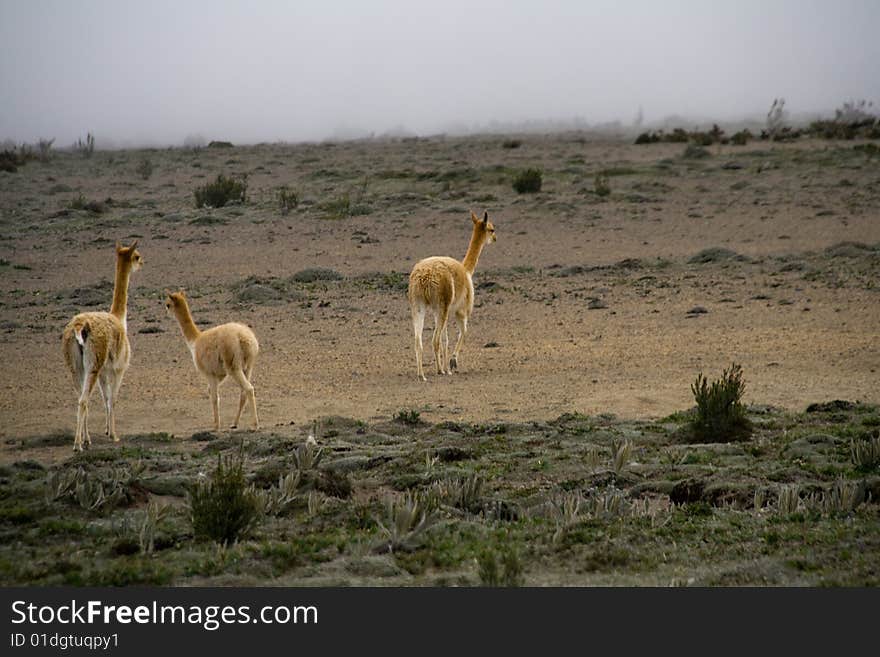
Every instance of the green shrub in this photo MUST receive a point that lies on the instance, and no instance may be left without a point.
(720, 414)
(11, 159)
(220, 192)
(223, 508)
(411, 417)
(647, 138)
(80, 203)
(702, 138)
(144, 168)
(465, 493)
(865, 453)
(348, 204)
(287, 199)
(503, 571)
(316, 274)
(741, 138)
(868, 149)
(85, 148)
(45, 146)
(528, 181)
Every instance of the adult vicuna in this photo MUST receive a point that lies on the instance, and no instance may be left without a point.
(226, 350)
(445, 286)
(96, 348)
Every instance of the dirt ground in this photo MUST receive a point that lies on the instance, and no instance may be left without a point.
(584, 304)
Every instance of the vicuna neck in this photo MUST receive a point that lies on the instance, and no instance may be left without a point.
(474, 249)
(120, 288)
(191, 332)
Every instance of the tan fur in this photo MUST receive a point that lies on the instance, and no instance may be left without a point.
(225, 350)
(445, 286)
(96, 349)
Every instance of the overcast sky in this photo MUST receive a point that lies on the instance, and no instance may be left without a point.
(159, 70)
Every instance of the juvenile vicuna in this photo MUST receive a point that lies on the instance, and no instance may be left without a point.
(225, 350)
(96, 349)
(446, 286)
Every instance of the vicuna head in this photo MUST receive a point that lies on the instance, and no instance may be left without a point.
(129, 255)
(485, 227)
(175, 302)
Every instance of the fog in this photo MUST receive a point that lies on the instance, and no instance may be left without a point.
(135, 72)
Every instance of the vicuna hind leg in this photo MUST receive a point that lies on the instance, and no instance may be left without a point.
(462, 321)
(109, 383)
(82, 413)
(247, 391)
(106, 394)
(441, 318)
(418, 318)
(214, 394)
(116, 385)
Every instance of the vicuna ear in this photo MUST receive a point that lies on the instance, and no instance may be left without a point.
(485, 218)
(133, 245)
(474, 217)
(118, 246)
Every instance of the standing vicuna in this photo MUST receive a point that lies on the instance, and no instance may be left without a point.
(446, 286)
(226, 350)
(96, 348)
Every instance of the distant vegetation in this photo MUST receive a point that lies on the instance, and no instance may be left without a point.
(14, 157)
(85, 148)
(221, 192)
(852, 120)
(144, 168)
(45, 147)
(528, 181)
(287, 199)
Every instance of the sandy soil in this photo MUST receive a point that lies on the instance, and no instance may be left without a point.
(797, 310)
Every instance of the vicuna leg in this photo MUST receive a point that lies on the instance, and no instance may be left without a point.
(109, 384)
(462, 321)
(106, 395)
(82, 412)
(441, 317)
(418, 318)
(247, 390)
(445, 346)
(116, 383)
(242, 398)
(214, 393)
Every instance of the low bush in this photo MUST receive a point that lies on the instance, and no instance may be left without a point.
(220, 192)
(223, 508)
(528, 181)
(720, 414)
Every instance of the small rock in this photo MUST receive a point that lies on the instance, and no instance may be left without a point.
(697, 310)
(596, 304)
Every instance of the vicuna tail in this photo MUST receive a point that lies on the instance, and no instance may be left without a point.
(74, 346)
